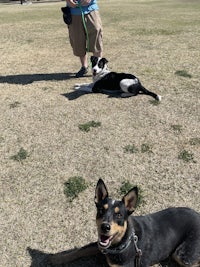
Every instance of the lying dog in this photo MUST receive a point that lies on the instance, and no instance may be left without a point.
(105, 80)
(140, 241)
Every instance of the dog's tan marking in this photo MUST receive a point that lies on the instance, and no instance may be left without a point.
(120, 230)
(179, 261)
(116, 209)
(105, 206)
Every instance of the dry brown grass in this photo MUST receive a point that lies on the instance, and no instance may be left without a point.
(40, 113)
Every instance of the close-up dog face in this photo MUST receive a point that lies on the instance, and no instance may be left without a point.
(98, 64)
(111, 222)
(112, 215)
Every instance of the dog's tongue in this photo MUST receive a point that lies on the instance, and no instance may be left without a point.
(104, 240)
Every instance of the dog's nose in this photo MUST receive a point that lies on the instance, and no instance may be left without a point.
(105, 227)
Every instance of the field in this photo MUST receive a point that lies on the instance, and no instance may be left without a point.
(154, 146)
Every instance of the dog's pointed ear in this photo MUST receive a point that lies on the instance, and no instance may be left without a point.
(104, 60)
(101, 191)
(93, 58)
(130, 200)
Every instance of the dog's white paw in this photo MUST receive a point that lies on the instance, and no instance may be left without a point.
(84, 87)
(77, 86)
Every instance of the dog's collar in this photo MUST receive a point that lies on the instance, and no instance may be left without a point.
(121, 248)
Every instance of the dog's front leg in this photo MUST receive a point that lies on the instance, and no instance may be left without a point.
(86, 87)
(86, 251)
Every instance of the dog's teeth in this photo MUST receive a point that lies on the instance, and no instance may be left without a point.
(105, 244)
(104, 240)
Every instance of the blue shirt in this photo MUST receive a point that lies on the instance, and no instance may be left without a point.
(86, 9)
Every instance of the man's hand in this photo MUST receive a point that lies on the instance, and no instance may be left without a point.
(72, 3)
(85, 2)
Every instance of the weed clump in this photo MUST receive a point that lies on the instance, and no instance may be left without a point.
(130, 149)
(177, 128)
(86, 126)
(194, 141)
(186, 156)
(74, 186)
(145, 148)
(21, 155)
(183, 73)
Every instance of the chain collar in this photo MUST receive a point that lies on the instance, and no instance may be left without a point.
(133, 237)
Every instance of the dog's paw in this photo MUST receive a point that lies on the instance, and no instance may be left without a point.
(77, 86)
(84, 87)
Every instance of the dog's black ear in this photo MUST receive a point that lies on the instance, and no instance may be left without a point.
(104, 60)
(93, 59)
(101, 191)
(130, 200)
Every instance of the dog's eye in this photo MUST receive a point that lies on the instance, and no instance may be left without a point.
(118, 215)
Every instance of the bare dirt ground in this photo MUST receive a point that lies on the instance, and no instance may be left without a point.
(40, 112)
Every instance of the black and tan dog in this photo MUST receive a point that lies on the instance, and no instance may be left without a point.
(130, 241)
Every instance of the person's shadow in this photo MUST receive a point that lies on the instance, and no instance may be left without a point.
(40, 259)
(24, 79)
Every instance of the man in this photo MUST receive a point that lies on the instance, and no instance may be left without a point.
(85, 36)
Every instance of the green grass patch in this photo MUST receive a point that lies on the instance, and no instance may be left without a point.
(74, 186)
(88, 125)
(183, 73)
(177, 128)
(194, 141)
(154, 102)
(20, 156)
(2, 139)
(186, 156)
(131, 149)
(15, 104)
(127, 186)
(146, 148)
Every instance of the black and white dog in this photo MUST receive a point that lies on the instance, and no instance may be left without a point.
(105, 80)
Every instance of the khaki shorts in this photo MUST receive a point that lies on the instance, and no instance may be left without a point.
(77, 34)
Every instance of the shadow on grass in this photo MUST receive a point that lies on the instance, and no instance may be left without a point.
(74, 95)
(40, 259)
(78, 93)
(111, 94)
(30, 78)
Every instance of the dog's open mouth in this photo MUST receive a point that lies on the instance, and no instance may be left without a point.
(94, 73)
(105, 241)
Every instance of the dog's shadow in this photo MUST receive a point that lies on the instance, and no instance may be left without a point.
(78, 93)
(40, 259)
(74, 95)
